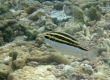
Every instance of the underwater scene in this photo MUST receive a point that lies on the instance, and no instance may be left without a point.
(54, 39)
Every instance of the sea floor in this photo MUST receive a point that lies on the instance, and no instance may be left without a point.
(24, 54)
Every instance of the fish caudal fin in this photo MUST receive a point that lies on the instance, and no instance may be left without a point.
(92, 55)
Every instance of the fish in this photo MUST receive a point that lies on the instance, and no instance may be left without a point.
(67, 44)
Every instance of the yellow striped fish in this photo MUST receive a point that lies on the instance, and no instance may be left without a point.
(66, 44)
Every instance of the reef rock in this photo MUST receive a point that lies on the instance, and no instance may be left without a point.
(50, 25)
(37, 14)
(71, 27)
(19, 58)
(94, 14)
(68, 72)
(4, 71)
(59, 15)
(33, 73)
(78, 14)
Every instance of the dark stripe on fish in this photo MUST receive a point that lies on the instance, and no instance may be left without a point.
(67, 35)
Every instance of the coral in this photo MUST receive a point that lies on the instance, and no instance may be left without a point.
(8, 34)
(11, 21)
(71, 27)
(30, 9)
(26, 3)
(68, 72)
(67, 9)
(78, 14)
(31, 33)
(103, 42)
(3, 8)
(105, 25)
(1, 41)
(7, 15)
(29, 30)
(93, 14)
(91, 23)
(58, 5)
(99, 75)
(37, 14)
(2, 1)
(75, 71)
(40, 22)
(86, 20)
(88, 5)
(3, 24)
(25, 23)
(59, 15)
(37, 53)
(7, 60)
(107, 16)
(103, 72)
(39, 39)
(34, 73)
(19, 58)
(41, 30)
(23, 15)
(59, 58)
(16, 13)
(87, 32)
(75, 64)
(49, 25)
(49, 3)
(85, 68)
(4, 71)
(106, 57)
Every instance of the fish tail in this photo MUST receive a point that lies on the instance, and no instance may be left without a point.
(92, 55)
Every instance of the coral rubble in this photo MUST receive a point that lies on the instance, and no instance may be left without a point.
(24, 55)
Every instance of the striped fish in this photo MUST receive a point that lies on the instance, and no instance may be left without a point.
(66, 44)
